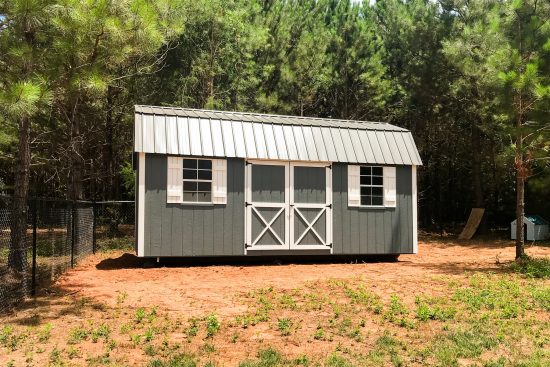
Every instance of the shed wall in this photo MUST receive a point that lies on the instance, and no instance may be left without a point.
(192, 230)
(218, 230)
(372, 231)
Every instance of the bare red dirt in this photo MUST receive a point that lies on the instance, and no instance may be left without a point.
(114, 285)
(194, 290)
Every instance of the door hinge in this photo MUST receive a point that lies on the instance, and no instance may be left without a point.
(330, 245)
(246, 204)
(329, 206)
(246, 245)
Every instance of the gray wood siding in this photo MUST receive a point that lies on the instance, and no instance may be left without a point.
(372, 231)
(192, 230)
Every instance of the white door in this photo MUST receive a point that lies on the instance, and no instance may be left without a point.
(310, 206)
(288, 206)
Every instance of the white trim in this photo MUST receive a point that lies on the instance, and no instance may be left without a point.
(414, 211)
(141, 205)
(389, 186)
(354, 186)
(250, 242)
(288, 208)
(294, 209)
(219, 181)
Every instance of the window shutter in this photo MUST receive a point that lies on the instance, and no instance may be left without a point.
(219, 181)
(354, 196)
(390, 195)
(174, 187)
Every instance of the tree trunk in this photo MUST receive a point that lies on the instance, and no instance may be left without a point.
(76, 164)
(479, 200)
(109, 190)
(17, 258)
(520, 206)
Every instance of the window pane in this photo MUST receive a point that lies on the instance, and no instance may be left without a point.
(376, 200)
(377, 180)
(204, 186)
(365, 180)
(189, 196)
(204, 197)
(365, 190)
(205, 164)
(377, 171)
(189, 186)
(365, 171)
(189, 174)
(189, 163)
(365, 200)
(205, 175)
(377, 191)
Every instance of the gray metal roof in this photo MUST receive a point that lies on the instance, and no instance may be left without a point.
(183, 131)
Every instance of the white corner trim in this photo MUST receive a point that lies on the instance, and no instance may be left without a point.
(141, 205)
(414, 211)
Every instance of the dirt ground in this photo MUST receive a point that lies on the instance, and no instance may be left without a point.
(116, 285)
(196, 289)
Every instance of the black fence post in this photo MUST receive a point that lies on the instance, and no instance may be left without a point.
(94, 212)
(73, 231)
(34, 226)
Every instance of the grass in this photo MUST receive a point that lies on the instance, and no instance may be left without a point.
(532, 267)
(482, 319)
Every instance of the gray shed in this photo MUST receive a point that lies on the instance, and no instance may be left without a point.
(212, 183)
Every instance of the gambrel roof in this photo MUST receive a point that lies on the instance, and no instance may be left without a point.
(191, 132)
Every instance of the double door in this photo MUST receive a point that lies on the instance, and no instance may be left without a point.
(288, 206)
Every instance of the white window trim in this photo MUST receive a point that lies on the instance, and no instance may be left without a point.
(381, 206)
(207, 203)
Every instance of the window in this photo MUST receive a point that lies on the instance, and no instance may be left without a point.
(372, 185)
(197, 180)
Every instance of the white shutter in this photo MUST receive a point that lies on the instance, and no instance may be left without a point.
(354, 196)
(174, 187)
(219, 181)
(390, 196)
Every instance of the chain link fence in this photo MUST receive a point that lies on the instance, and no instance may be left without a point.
(115, 223)
(58, 235)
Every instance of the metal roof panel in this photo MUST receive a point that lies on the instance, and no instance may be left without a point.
(149, 134)
(183, 136)
(172, 135)
(168, 130)
(195, 136)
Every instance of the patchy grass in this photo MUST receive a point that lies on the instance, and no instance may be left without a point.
(478, 319)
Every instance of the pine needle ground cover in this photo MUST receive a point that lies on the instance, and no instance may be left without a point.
(454, 304)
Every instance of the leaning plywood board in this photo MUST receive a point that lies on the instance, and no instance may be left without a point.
(473, 222)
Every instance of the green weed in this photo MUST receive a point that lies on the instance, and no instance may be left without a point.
(462, 344)
(45, 333)
(76, 335)
(532, 267)
(212, 325)
(102, 331)
(192, 328)
(284, 325)
(266, 358)
(336, 360)
(9, 339)
(430, 308)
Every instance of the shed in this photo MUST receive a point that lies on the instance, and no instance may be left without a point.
(213, 183)
(535, 228)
